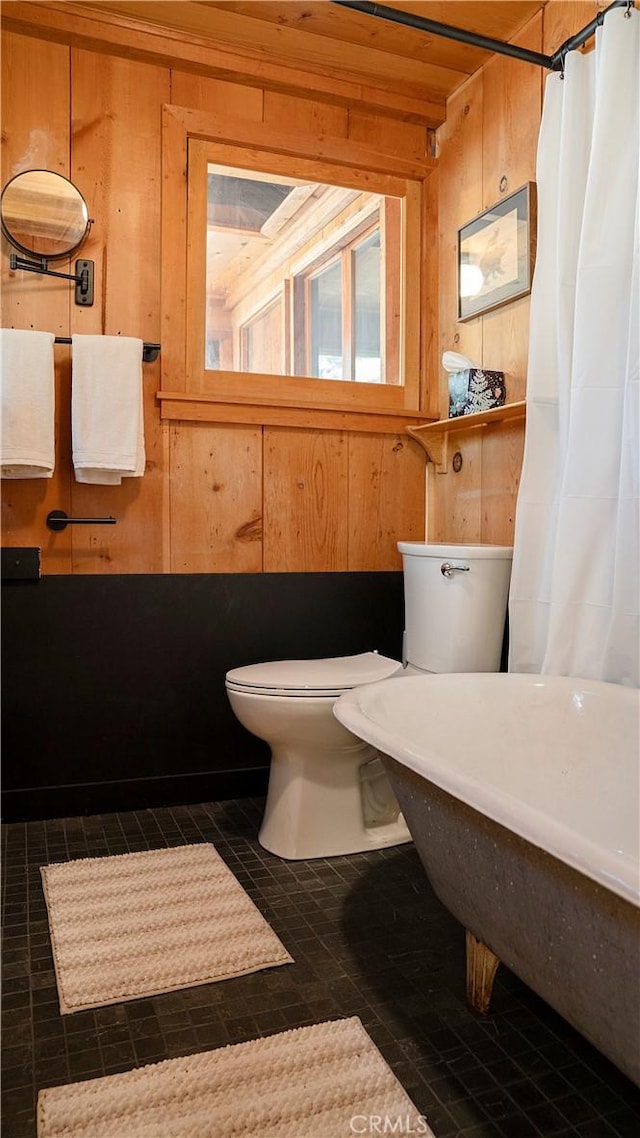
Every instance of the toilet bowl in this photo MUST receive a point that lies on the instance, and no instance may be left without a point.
(328, 793)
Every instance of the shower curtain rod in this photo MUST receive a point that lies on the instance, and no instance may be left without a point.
(553, 62)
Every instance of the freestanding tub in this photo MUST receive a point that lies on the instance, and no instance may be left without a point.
(521, 793)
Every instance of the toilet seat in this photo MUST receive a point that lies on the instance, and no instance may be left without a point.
(327, 678)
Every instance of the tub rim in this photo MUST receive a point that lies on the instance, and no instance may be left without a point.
(609, 869)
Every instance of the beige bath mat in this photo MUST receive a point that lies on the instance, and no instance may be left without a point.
(143, 923)
(325, 1081)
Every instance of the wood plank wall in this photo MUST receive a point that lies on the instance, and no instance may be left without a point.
(486, 151)
(214, 498)
(245, 499)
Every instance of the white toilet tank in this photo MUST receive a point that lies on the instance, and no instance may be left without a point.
(455, 600)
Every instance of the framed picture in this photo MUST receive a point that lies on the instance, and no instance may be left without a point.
(496, 252)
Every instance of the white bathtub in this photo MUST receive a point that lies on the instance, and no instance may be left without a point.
(522, 794)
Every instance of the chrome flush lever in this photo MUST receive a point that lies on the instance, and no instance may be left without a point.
(447, 569)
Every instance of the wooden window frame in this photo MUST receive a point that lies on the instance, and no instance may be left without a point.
(190, 140)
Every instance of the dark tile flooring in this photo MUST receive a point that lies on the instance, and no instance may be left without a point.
(368, 938)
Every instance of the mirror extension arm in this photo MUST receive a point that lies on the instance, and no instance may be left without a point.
(83, 276)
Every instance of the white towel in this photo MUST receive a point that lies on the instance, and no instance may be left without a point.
(107, 421)
(27, 449)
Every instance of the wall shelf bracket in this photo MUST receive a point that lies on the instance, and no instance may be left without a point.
(435, 445)
(434, 437)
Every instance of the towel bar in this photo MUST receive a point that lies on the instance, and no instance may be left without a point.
(149, 351)
(58, 520)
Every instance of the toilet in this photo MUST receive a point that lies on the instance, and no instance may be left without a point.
(328, 793)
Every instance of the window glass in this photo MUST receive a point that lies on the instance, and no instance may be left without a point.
(325, 318)
(295, 275)
(366, 291)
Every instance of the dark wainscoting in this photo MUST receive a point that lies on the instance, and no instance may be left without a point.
(113, 687)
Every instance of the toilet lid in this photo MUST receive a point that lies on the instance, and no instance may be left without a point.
(304, 677)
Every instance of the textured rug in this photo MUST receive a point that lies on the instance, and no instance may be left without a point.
(144, 923)
(325, 1081)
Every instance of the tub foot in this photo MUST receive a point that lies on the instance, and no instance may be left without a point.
(482, 965)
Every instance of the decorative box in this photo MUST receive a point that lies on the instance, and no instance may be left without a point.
(475, 389)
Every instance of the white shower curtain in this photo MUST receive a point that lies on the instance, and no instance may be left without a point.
(574, 599)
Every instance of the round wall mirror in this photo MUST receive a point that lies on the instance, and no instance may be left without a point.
(43, 214)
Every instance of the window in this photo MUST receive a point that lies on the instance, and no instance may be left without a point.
(325, 301)
(291, 277)
(367, 361)
(292, 285)
(345, 314)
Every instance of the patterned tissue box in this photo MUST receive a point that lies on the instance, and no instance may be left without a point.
(475, 389)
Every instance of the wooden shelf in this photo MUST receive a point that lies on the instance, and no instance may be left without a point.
(434, 437)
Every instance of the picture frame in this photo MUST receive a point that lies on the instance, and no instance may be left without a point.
(496, 254)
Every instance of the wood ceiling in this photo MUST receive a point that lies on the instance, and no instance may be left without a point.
(315, 37)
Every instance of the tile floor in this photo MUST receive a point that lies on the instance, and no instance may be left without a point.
(368, 938)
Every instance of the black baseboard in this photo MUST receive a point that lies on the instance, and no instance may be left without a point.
(132, 794)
